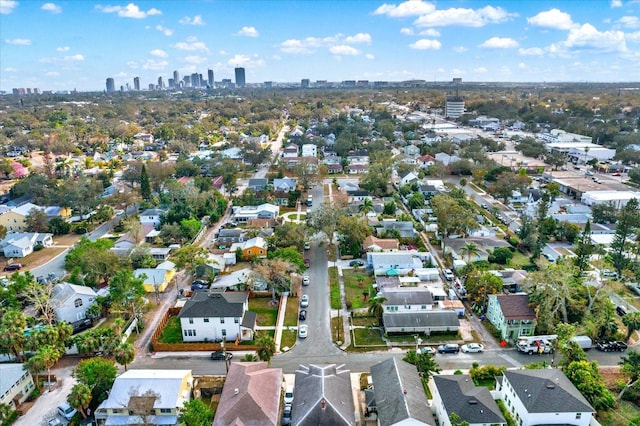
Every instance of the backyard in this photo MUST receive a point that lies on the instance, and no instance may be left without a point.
(358, 287)
(172, 332)
(266, 311)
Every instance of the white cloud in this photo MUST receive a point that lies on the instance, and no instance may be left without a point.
(426, 44)
(358, 38)
(248, 32)
(499, 43)
(193, 59)
(430, 32)
(223, 53)
(616, 3)
(457, 71)
(295, 46)
(464, 17)
(369, 56)
(588, 37)
(51, 7)
(245, 61)
(522, 66)
(74, 58)
(133, 64)
(63, 49)
(460, 49)
(152, 64)
(129, 11)
(52, 74)
(18, 41)
(196, 20)
(9, 69)
(164, 30)
(159, 53)
(71, 58)
(480, 70)
(344, 50)
(531, 51)
(629, 21)
(408, 8)
(7, 6)
(406, 31)
(633, 37)
(553, 18)
(191, 44)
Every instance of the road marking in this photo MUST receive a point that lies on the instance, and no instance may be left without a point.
(511, 360)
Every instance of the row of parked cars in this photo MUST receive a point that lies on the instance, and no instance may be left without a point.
(453, 348)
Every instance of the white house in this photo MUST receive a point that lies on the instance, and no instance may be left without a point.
(16, 384)
(151, 217)
(284, 184)
(309, 150)
(290, 151)
(263, 211)
(214, 316)
(21, 244)
(394, 263)
(403, 299)
(408, 177)
(70, 301)
(543, 397)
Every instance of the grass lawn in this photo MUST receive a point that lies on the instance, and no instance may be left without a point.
(334, 288)
(364, 321)
(172, 332)
(40, 257)
(302, 216)
(355, 284)
(291, 314)
(267, 314)
(270, 333)
(337, 329)
(288, 338)
(621, 416)
(409, 339)
(490, 383)
(368, 337)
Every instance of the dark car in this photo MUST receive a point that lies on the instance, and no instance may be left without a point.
(302, 315)
(356, 262)
(611, 346)
(307, 263)
(620, 310)
(220, 355)
(449, 348)
(198, 285)
(13, 267)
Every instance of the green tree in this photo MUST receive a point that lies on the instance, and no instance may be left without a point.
(190, 257)
(37, 221)
(80, 398)
(416, 201)
(49, 355)
(126, 291)
(376, 308)
(266, 347)
(424, 362)
(452, 217)
(480, 285)
(366, 206)
(631, 369)
(12, 338)
(632, 322)
(196, 413)
(584, 249)
(628, 222)
(469, 249)
(325, 219)
(124, 354)
(98, 374)
(586, 377)
(58, 226)
(145, 185)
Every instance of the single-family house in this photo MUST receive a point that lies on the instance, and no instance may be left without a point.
(334, 168)
(421, 321)
(323, 396)
(309, 150)
(149, 397)
(158, 278)
(151, 217)
(357, 169)
(70, 301)
(258, 184)
(281, 198)
(16, 384)
(372, 243)
(404, 228)
(22, 244)
(446, 159)
(408, 177)
(428, 190)
(358, 196)
(407, 299)
(398, 395)
(215, 316)
(240, 280)
(458, 394)
(231, 236)
(412, 150)
(263, 211)
(290, 151)
(512, 315)
(543, 397)
(394, 263)
(14, 220)
(484, 247)
(284, 184)
(251, 395)
(425, 161)
(254, 248)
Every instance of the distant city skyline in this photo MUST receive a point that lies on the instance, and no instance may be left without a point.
(71, 45)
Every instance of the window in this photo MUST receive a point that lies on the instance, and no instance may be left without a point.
(206, 320)
(224, 332)
(165, 410)
(423, 307)
(221, 320)
(407, 307)
(578, 416)
(77, 303)
(236, 320)
(190, 320)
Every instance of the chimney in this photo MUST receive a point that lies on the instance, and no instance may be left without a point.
(323, 403)
(236, 391)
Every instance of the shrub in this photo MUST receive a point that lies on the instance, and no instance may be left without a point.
(486, 372)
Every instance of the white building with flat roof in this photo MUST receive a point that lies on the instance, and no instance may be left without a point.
(582, 155)
(618, 198)
(309, 150)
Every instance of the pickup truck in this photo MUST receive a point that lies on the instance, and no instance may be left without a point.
(611, 346)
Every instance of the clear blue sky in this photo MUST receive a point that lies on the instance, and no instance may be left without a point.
(78, 44)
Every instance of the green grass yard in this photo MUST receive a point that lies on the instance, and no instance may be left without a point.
(334, 288)
(355, 284)
(267, 313)
(172, 332)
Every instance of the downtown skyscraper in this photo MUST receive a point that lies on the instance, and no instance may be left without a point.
(240, 79)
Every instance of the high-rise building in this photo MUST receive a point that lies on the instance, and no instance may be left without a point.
(210, 77)
(176, 77)
(136, 84)
(111, 85)
(151, 87)
(171, 83)
(195, 80)
(160, 83)
(187, 81)
(202, 82)
(240, 79)
(454, 107)
(304, 83)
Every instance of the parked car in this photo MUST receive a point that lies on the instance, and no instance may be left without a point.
(66, 411)
(484, 206)
(549, 257)
(54, 422)
(611, 346)
(286, 415)
(198, 285)
(13, 267)
(356, 262)
(610, 274)
(288, 395)
(307, 263)
(304, 301)
(305, 280)
(427, 350)
(448, 274)
(449, 348)
(303, 330)
(472, 347)
(307, 245)
(621, 310)
(221, 355)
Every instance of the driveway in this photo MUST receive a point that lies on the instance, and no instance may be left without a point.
(45, 406)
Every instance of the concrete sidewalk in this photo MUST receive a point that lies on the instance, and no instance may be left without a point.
(282, 310)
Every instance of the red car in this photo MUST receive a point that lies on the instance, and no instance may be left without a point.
(617, 174)
(307, 263)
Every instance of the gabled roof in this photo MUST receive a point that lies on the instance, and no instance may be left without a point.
(204, 304)
(399, 393)
(153, 212)
(404, 297)
(474, 404)
(153, 275)
(251, 395)
(383, 243)
(421, 319)
(257, 182)
(547, 390)
(255, 242)
(64, 291)
(25, 209)
(516, 307)
(323, 396)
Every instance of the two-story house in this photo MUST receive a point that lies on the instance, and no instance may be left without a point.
(70, 301)
(214, 316)
(263, 211)
(16, 384)
(512, 315)
(231, 236)
(151, 217)
(14, 218)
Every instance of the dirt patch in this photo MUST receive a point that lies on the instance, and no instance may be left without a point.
(66, 240)
(611, 375)
(39, 258)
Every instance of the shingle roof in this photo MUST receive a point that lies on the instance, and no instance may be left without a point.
(421, 319)
(516, 307)
(315, 384)
(63, 291)
(214, 305)
(547, 390)
(404, 297)
(257, 400)
(399, 393)
(474, 404)
(249, 320)
(9, 375)
(383, 243)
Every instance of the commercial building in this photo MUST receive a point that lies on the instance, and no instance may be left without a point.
(111, 85)
(240, 77)
(454, 106)
(210, 77)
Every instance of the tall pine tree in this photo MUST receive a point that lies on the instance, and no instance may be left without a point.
(628, 222)
(584, 248)
(145, 186)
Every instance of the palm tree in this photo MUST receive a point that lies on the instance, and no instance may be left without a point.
(266, 347)
(79, 398)
(376, 309)
(632, 322)
(124, 354)
(49, 355)
(470, 249)
(249, 358)
(5, 412)
(366, 206)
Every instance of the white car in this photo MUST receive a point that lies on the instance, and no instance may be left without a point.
(428, 350)
(307, 245)
(66, 411)
(303, 330)
(305, 280)
(448, 274)
(288, 395)
(472, 347)
(304, 301)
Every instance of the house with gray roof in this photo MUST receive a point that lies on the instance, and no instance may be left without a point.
(404, 228)
(394, 263)
(21, 244)
(151, 217)
(258, 184)
(284, 184)
(231, 236)
(458, 394)
(512, 315)
(543, 397)
(16, 384)
(402, 299)
(323, 396)
(399, 398)
(421, 322)
(215, 316)
(70, 302)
